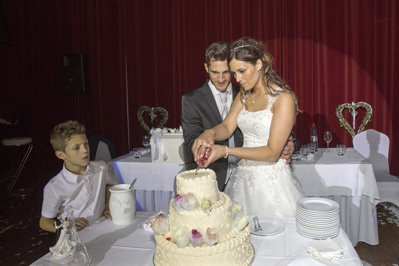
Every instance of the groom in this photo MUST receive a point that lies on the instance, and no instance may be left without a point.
(206, 107)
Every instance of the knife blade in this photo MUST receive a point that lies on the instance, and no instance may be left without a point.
(200, 164)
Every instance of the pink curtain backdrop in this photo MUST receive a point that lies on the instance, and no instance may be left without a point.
(150, 53)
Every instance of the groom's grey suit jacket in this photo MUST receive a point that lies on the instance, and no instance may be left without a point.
(200, 112)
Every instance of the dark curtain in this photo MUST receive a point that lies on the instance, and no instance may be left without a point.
(150, 53)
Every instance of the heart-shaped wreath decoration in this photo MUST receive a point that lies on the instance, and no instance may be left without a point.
(152, 112)
(352, 107)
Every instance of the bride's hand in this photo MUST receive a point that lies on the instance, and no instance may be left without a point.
(200, 145)
(213, 153)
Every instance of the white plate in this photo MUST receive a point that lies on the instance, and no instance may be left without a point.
(270, 226)
(317, 220)
(318, 205)
(317, 236)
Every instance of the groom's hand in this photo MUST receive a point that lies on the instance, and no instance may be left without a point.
(288, 150)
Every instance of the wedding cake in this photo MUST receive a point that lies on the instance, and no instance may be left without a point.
(203, 227)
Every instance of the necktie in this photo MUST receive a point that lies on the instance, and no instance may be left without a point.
(223, 100)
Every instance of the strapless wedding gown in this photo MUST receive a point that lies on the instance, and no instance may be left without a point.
(262, 188)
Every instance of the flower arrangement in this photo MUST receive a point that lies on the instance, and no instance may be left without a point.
(179, 201)
(211, 236)
(196, 238)
(353, 106)
(181, 237)
(186, 202)
(206, 205)
(160, 224)
(152, 112)
(240, 221)
(237, 208)
(191, 202)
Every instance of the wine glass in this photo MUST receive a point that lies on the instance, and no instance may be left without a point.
(328, 138)
(146, 141)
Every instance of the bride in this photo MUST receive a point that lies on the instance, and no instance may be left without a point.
(265, 111)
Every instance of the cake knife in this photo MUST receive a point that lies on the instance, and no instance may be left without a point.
(200, 164)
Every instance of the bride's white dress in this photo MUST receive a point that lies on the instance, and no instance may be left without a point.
(262, 188)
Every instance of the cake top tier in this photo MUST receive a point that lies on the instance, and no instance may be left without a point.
(201, 185)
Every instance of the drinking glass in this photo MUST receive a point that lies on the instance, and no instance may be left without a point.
(341, 149)
(328, 138)
(146, 141)
(304, 150)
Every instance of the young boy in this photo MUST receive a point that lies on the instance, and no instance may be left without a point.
(82, 184)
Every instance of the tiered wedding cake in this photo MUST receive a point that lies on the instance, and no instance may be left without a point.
(203, 227)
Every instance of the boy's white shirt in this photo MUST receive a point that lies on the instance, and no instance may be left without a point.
(84, 193)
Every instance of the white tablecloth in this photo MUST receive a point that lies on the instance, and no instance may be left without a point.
(110, 244)
(155, 184)
(350, 181)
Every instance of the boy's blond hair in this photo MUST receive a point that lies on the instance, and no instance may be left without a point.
(62, 133)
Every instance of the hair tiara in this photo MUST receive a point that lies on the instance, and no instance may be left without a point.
(239, 47)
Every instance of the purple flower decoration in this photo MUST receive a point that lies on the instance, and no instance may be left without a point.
(179, 201)
(160, 224)
(196, 238)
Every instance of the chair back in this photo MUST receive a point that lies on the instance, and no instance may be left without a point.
(374, 146)
(101, 149)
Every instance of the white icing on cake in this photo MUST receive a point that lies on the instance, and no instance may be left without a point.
(235, 251)
(234, 247)
(220, 218)
(201, 185)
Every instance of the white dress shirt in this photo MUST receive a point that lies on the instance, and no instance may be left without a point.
(220, 105)
(215, 93)
(84, 193)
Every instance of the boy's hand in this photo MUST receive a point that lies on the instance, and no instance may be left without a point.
(80, 223)
(107, 213)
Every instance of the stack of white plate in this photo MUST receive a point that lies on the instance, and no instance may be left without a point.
(317, 218)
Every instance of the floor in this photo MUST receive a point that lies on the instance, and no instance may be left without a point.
(22, 241)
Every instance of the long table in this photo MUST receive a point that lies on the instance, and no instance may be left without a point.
(110, 244)
(348, 180)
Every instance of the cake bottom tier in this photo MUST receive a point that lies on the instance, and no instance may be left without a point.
(235, 251)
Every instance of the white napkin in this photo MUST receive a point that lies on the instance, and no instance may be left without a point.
(302, 261)
(325, 249)
(310, 157)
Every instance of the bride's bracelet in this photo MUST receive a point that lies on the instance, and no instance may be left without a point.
(227, 152)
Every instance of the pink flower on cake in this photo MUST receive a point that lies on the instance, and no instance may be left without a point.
(179, 200)
(237, 208)
(180, 237)
(240, 221)
(211, 237)
(160, 224)
(191, 203)
(206, 205)
(196, 238)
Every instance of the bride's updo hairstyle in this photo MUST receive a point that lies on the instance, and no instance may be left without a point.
(249, 50)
